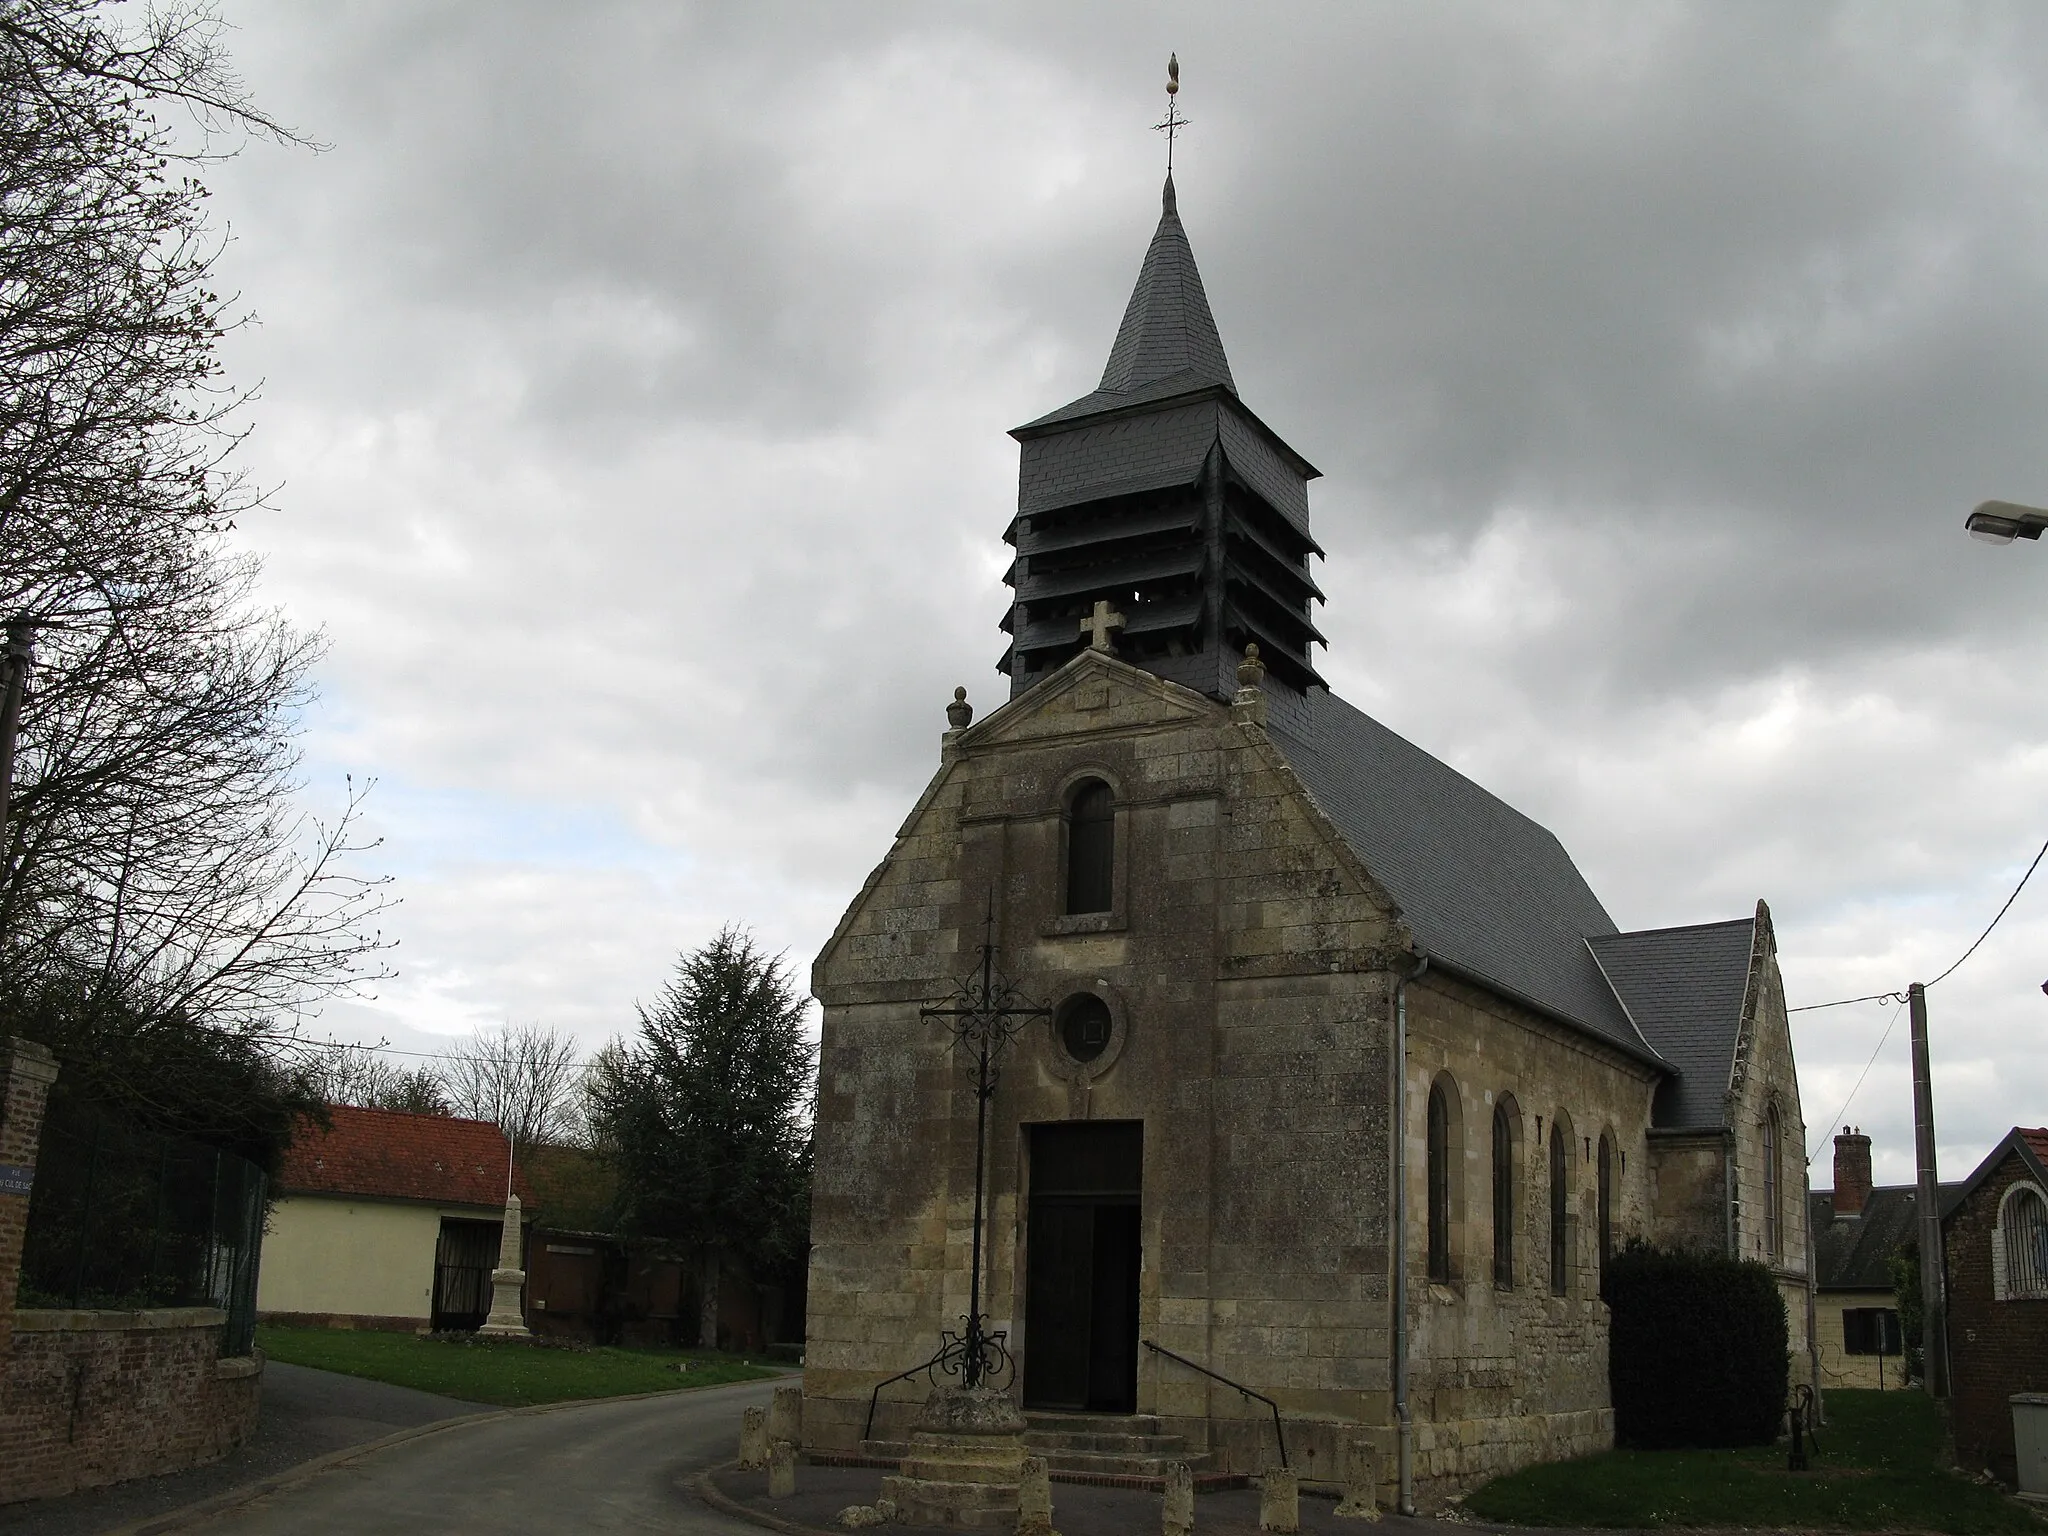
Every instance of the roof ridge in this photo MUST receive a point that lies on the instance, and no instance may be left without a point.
(1725, 922)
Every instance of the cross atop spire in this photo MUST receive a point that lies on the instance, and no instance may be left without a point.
(1173, 122)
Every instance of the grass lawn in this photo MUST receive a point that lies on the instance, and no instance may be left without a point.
(1878, 1469)
(507, 1375)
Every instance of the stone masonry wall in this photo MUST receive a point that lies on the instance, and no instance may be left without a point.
(1689, 1190)
(1245, 971)
(1500, 1377)
(1996, 1348)
(1766, 1079)
(98, 1397)
(1248, 965)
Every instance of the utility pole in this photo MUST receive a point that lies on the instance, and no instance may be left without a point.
(1933, 1290)
(14, 661)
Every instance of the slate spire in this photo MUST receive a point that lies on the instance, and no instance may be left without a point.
(1168, 329)
(1161, 499)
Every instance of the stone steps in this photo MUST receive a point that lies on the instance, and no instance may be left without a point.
(1107, 1449)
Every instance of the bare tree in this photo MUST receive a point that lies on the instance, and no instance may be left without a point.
(525, 1080)
(356, 1074)
(152, 854)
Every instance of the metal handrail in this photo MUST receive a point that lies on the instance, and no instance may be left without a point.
(868, 1433)
(1278, 1433)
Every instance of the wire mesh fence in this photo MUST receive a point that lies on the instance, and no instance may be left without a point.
(121, 1218)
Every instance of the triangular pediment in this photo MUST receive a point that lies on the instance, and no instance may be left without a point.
(1092, 693)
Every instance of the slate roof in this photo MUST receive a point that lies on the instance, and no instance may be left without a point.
(387, 1154)
(2030, 1144)
(1167, 344)
(1850, 1254)
(1485, 890)
(1683, 989)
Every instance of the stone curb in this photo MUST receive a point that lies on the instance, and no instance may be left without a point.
(306, 1471)
(708, 1492)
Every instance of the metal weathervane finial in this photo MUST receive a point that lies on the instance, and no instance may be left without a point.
(1173, 122)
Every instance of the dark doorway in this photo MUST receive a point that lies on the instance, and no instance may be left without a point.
(463, 1261)
(1081, 1281)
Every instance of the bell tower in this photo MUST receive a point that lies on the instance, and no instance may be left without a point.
(1163, 496)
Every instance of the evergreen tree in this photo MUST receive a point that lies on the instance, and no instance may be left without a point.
(707, 1115)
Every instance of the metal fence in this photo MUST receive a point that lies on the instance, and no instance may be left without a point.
(121, 1218)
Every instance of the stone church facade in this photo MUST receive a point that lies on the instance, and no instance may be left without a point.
(1349, 1082)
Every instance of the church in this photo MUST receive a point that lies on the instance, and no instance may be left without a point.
(1345, 1084)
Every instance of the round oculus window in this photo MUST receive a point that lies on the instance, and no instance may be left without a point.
(1085, 1026)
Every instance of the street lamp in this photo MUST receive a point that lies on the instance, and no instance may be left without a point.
(2000, 522)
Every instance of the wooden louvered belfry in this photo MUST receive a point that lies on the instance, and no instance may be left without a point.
(1161, 493)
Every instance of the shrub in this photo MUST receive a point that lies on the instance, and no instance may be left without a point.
(1697, 1351)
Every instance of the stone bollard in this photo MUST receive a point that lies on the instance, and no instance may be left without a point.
(1361, 1482)
(1034, 1499)
(1280, 1501)
(781, 1469)
(753, 1439)
(1177, 1508)
(786, 1417)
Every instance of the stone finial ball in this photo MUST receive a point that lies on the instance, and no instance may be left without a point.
(959, 713)
(1251, 671)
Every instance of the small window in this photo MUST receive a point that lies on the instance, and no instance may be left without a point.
(1084, 1026)
(1439, 1184)
(2022, 1235)
(1606, 1174)
(1091, 847)
(1560, 1239)
(1774, 1236)
(1870, 1331)
(1504, 1194)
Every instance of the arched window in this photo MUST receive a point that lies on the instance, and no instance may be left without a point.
(1438, 1183)
(1504, 1118)
(1774, 1238)
(1560, 1239)
(1606, 1171)
(2019, 1244)
(1091, 847)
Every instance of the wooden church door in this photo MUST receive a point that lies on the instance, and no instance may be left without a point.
(1081, 1268)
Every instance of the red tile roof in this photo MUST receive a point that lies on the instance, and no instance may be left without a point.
(391, 1155)
(2038, 1140)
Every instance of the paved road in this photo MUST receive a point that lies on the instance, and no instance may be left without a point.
(304, 1414)
(607, 1466)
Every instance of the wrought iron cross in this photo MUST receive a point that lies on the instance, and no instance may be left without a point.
(1173, 122)
(984, 1014)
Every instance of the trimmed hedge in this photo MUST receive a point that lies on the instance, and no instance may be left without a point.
(1696, 1349)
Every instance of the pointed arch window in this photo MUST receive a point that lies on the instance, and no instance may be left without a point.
(1774, 1236)
(1438, 1184)
(1091, 847)
(1560, 1240)
(1504, 1194)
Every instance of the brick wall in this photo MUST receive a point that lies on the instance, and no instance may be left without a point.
(97, 1397)
(26, 1072)
(1996, 1348)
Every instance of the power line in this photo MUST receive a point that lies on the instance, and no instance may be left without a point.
(1836, 1118)
(2015, 896)
(1886, 997)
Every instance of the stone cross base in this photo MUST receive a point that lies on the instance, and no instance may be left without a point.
(505, 1321)
(965, 1464)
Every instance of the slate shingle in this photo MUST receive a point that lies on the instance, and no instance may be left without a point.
(1683, 987)
(1485, 890)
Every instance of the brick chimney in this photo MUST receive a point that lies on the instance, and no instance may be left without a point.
(1852, 1172)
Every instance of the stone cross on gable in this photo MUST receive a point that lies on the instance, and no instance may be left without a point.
(1098, 625)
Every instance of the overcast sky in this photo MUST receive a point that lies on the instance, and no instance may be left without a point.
(635, 381)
